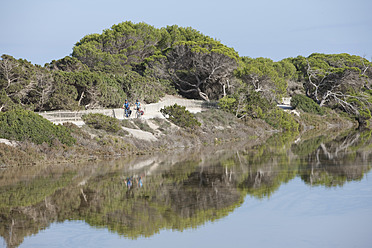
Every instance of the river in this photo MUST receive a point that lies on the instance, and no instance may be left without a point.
(313, 191)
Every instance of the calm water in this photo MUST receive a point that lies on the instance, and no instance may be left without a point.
(288, 192)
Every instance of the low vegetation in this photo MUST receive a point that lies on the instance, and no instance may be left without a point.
(306, 104)
(24, 125)
(181, 117)
(100, 121)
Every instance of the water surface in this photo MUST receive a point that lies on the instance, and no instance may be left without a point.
(288, 192)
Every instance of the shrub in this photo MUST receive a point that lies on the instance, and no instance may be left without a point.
(306, 104)
(228, 104)
(364, 114)
(280, 119)
(25, 125)
(100, 121)
(180, 116)
(257, 105)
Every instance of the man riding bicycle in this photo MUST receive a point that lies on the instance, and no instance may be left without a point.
(126, 107)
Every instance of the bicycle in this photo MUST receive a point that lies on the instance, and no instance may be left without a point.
(139, 113)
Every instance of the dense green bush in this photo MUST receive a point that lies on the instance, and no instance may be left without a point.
(228, 104)
(24, 125)
(180, 116)
(257, 105)
(306, 104)
(100, 121)
(364, 114)
(280, 119)
(264, 74)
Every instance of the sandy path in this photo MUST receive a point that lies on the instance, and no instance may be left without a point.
(140, 134)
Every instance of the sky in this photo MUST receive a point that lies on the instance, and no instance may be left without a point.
(41, 31)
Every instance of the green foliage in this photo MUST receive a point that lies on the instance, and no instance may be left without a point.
(306, 104)
(67, 63)
(6, 101)
(127, 48)
(24, 125)
(208, 47)
(228, 104)
(128, 123)
(144, 87)
(124, 44)
(334, 80)
(199, 69)
(334, 65)
(100, 121)
(280, 119)
(127, 44)
(73, 90)
(23, 82)
(364, 112)
(138, 61)
(266, 75)
(328, 72)
(181, 117)
(109, 90)
(64, 95)
(332, 61)
(258, 106)
(176, 34)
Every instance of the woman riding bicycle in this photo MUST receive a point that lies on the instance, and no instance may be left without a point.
(137, 107)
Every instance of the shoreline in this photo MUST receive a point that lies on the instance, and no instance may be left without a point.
(150, 136)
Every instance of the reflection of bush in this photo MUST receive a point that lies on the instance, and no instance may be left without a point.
(333, 176)
(263, 184)
(184, 195)
(178, 198)
(308, 146)
(29, 193)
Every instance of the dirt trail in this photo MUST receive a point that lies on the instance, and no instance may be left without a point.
(151, 110)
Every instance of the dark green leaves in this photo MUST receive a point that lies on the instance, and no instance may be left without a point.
(23, 125)
(181, 117)
(100, 121)
(306, 104)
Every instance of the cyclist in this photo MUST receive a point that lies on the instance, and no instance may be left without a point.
(126, 107)
(138, 108)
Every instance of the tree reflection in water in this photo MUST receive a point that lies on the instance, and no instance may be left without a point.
(182, 190)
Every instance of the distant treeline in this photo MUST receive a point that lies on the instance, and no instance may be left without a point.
(138, 61)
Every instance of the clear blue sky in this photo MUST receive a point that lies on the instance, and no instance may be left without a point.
(41, 31)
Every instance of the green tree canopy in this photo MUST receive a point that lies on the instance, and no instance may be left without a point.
(124, 44)
(338, 81)
(198, 69)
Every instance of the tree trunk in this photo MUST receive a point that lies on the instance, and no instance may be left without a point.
(81, 98)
